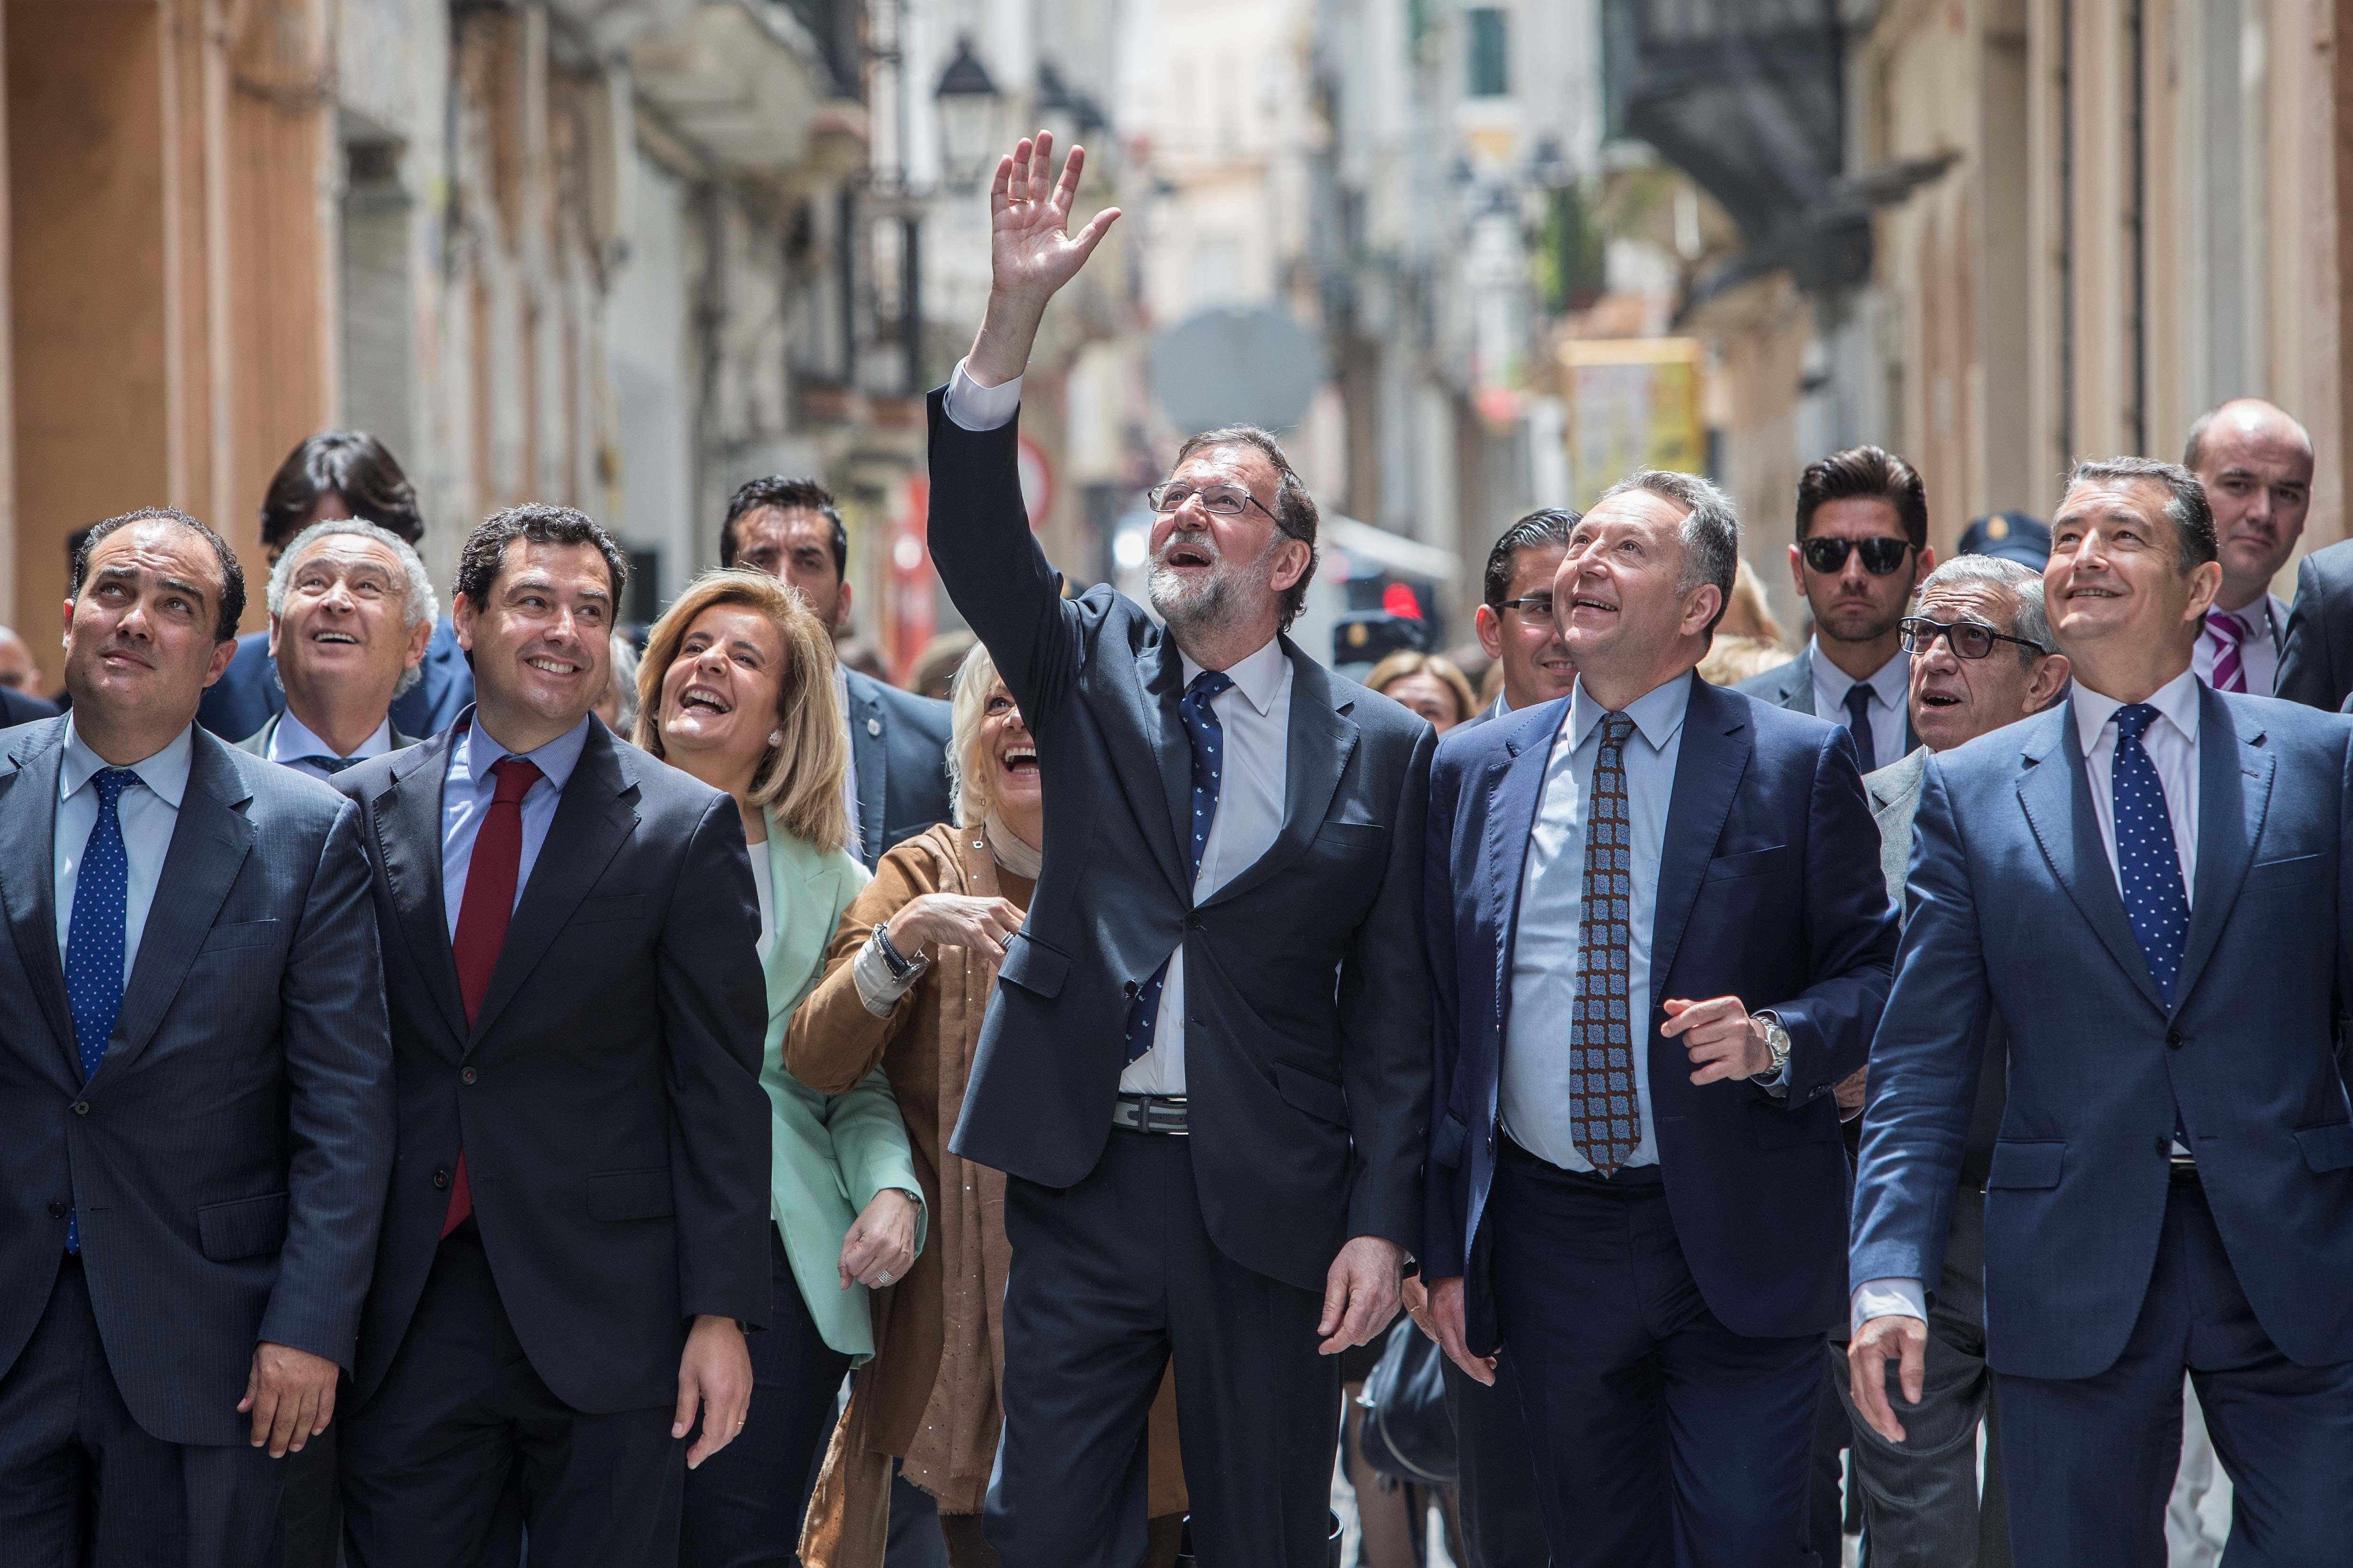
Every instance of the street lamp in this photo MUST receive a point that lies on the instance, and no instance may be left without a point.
(969, 103)
(1057, 111)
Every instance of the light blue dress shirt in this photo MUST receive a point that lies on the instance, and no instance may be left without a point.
(467, 790)
(292, 742)
(148, 813)
(1533, 1094)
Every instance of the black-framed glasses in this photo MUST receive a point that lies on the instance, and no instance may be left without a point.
(1226, 500)
(1881, 555)
(1967, 639)
(1535, 606)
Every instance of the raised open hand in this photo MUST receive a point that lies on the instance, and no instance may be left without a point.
(1031, 253)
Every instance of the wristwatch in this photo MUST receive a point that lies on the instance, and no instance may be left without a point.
(1777, 1040)
(902, 967)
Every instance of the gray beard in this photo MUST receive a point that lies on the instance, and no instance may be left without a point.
(1210, 607)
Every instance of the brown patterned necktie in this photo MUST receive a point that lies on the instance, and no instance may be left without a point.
(1602, 1117)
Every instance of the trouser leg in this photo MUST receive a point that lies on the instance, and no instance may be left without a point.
(1503, 1527)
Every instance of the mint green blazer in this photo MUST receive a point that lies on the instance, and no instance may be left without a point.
(831, 1154)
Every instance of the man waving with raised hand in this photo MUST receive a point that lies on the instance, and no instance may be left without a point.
(1207, 1071)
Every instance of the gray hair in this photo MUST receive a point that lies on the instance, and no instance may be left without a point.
(2186, 507)
(624, 682)
(972, 794)
(1710, 532)
(2029, 618)
(419, 603)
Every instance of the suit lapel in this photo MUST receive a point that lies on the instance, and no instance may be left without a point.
(209, 842)
(2234, 793)
(870, 749)
(1514, 793)
(1800, 697)
(1163, 674)
(408, 821)
(1708, 769)
(1321, 738)
(802, 880)
(28, 818)
(593, 816)
(2055, 791)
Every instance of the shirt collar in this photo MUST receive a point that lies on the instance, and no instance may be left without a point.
(165, 773)
(2175, 701)
(1259, 676)
(293, 741)
(1658, 713)
(1888, 682)
(555, 760)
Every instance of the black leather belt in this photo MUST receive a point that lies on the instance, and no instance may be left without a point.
(2183, 1172)
(1162, 1113)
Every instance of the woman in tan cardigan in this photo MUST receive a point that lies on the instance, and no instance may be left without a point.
(907, 978)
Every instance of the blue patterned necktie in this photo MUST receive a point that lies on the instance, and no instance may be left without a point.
(1858, 724)
(330, 766)
(1209, 739)
(94, 937)
(1603, 1120)
(2148, 866)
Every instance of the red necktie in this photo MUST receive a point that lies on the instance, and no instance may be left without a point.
(490, 873)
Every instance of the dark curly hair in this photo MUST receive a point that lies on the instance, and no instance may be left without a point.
(785, 495)
(485, 550)
(232, 597)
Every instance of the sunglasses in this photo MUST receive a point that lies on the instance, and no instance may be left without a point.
(1880, 556)
(1967, 639)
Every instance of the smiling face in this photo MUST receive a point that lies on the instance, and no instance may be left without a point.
(2255, 464)
(1955, 699)
(340, 628)
(1537, 666)
(1012, 758)
(140, 645)
(541, 646)
(722, 696)
(1211, 571)
(1621, 618)
(2114, 575)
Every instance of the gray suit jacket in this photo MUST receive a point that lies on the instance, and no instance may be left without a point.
(230, 1156)
(1792, 685)
(258, 743)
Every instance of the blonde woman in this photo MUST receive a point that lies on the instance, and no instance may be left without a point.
(736, 688)
(1429, 684)
(906, 981)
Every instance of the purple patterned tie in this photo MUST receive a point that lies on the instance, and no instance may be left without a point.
(2229, 633)
(1603, 1120)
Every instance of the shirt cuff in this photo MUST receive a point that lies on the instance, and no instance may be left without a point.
(878, 990)
(977, 408)
(1889, 1298)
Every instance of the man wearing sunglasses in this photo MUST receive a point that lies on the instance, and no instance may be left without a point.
(2149, 886)
(1981, 659)
(1863, 547)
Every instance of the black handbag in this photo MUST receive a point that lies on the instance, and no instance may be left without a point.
(1407, 1433)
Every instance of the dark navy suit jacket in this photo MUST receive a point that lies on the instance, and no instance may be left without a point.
(1307, 1022)
(247, 693)
(2014, 910)
(228, 1158)
(1769, 890)
(900, 743)
(607, 1092)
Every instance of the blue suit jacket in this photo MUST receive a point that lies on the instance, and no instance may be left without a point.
(229, 1157)
(2015, 908)
(1769, 890)
(899, 742)
(243, 700)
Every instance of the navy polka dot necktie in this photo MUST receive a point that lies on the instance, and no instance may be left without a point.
(1209, 739)
(2149, 867)
(94, 937)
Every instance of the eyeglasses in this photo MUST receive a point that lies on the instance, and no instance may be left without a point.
(1880, 556)
(1535, 606)
(1967, 639)
(1226, 500)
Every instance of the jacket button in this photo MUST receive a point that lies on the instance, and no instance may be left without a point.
(465, 1075)
(2165, 1145)
(441, 1177)
(2175, 1039)
(81, 1108)
(1198, 924)
(1129, 990)
(56, 1211)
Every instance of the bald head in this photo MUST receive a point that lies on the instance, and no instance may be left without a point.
(2255, 461)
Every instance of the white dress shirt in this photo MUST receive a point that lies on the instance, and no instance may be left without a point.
(148, 811)
(2259, 655)
(293, 741)
(2172, 746)
(1255, 714)
(1532, 1098)
(1890, 687)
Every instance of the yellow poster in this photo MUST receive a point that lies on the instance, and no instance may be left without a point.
(1629, 402)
